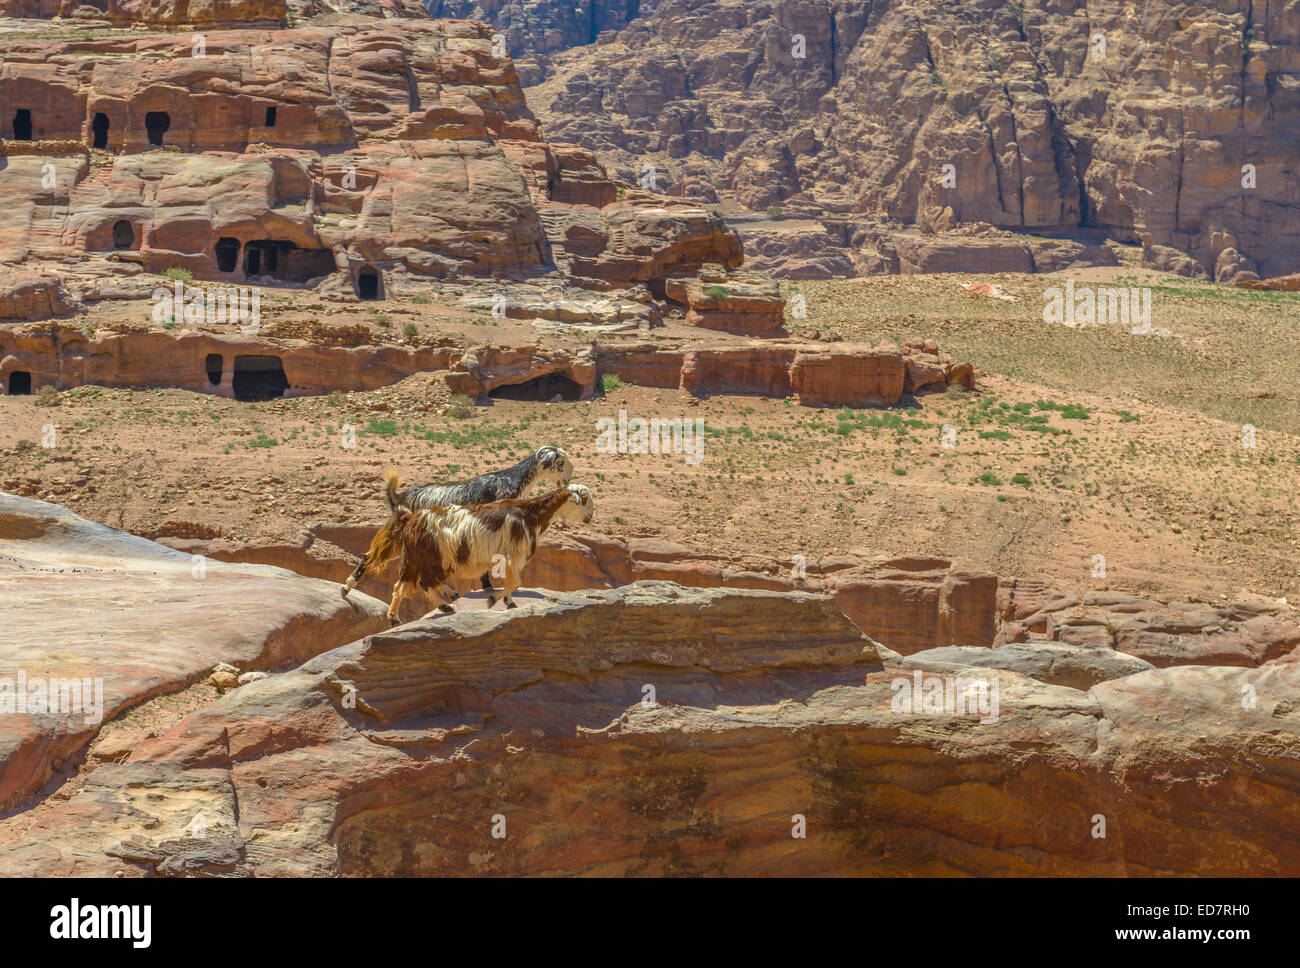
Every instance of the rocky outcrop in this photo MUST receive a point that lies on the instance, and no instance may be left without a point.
(657, 730)
(716, 300)
(1161, 633)
(33, 296)
(1171, 125)
(82, 603)
(908, 604)
(313, 361)
(840, 246)
(396, 150)
(813, 374)
(541, 26)
(154, 13)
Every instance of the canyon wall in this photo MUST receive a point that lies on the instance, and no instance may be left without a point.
(398, 149)
(1057, 116)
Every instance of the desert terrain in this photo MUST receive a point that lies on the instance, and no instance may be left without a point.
(469, 232)
(1078, 441)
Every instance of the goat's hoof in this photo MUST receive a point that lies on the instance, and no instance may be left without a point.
(344, 591)
(392, 620)
(446, 610)
(455, 596)
(510, 603)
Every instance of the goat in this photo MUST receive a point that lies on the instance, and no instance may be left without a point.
(548, 464)
(446, 542)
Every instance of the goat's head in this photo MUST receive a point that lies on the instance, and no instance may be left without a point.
(580, 506)
(553, 464)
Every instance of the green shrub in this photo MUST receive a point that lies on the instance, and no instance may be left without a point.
(460, 406)
(176, 272)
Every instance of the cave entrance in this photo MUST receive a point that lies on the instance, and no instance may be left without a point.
(258, 378)
(261, 257)
(270, 118)
(227, 250)
(23, 125)
(123, 234)
(99, 128)
(213, 365)
(20, 383)
(367, 284)
(540, 388)
(156, 124)
(284, 260)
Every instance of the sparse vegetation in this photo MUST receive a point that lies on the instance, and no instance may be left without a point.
(460, 406)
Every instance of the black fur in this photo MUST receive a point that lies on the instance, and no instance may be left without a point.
(501, 485)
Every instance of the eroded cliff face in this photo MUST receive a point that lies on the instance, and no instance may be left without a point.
(1134, 121)
(398, 149)
(656, 729)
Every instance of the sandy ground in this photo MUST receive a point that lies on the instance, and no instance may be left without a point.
(1172, 499)
(1047, 468)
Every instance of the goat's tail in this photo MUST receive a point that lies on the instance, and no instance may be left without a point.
(393, 484)
(384, 547)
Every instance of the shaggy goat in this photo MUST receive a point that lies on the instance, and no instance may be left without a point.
(548, 464)
(446, 542)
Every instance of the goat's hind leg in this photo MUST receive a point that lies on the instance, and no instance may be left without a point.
(400, 591)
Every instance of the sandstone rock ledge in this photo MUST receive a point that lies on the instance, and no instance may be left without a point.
(79, 599)
(397, 755)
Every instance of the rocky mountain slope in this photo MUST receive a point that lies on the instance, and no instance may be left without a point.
(1129, 122)
(362, 159)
